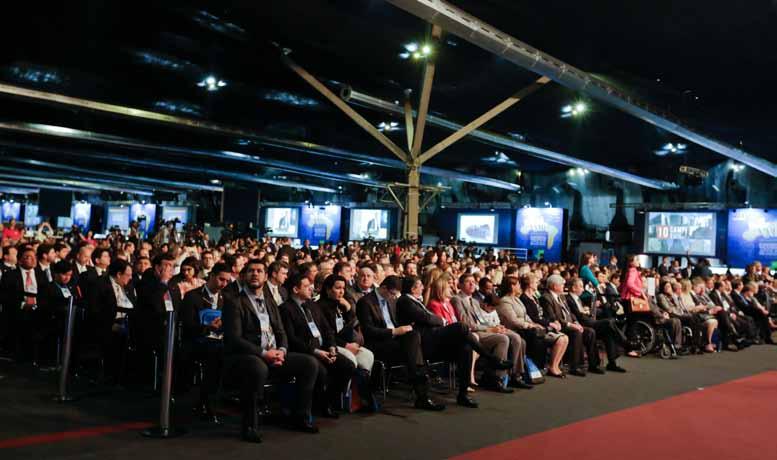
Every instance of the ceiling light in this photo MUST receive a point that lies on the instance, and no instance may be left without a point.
(215, 181)
(426, 50)
(411, 47)
(212, 83)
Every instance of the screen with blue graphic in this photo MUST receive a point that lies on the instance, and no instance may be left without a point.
(680, 233)
(81, 216)
(145, 215)
(31, 217)
(477, 228)
(118, 216)
(752, 235)
(541, 231)
(282, 222)
(11, 211)
(369, 224)
(320, 224)
(181, 213)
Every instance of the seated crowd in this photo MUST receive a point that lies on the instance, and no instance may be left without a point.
(252, 312)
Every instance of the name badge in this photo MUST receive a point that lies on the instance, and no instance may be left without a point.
(314, 329)
(31, 290)
(168, 305)
(340, 323)
(65, 292)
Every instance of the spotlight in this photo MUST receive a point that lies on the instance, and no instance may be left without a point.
(411, 47)
(211, 83)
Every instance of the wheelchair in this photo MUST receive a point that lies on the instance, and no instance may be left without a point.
(644, 335)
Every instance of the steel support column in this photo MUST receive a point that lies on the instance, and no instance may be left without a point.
(413, 207)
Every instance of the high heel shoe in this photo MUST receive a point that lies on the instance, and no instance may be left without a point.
(562, 375)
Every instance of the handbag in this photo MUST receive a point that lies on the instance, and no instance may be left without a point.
(639, 305)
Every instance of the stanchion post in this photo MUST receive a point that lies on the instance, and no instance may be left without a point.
(64, 373)
(165, 429)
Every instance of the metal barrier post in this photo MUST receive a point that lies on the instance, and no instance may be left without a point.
(63, 395)
(164, 429)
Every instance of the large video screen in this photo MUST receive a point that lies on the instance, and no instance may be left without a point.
(181, 213)
(369, 223)
(282, 222)
(680, 233)
(752, 235)
(118, 216)
(145, 216)
(478, 228)
(81, 215)
(541, 231)
(320, 224)
(31, 217)
(11, 211)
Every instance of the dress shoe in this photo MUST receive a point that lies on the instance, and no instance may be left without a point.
(577, 372)
(501, 388)
(251, 435)
(595, 370)
(561, 375)
(684, 352)
(613, 367)
(206, 414)
(428, 404)
(731, 347)
(518, 383)
(466, 401)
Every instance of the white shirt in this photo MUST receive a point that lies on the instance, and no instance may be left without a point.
(122, 301)
(276, 293)
(80, 268)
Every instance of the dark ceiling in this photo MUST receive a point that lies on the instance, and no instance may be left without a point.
(711, 63)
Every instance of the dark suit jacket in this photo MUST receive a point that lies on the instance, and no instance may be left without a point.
(412, 312)
(553, 309)
(103, 307)
(297, 331)
(189, 313)
(350, 331)
(371, 318)
(269, 299)
(582, 318)
(534, 310)
(242, 327)
(12, 289)
(150, 309)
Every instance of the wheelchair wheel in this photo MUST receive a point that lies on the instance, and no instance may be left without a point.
(642, 337)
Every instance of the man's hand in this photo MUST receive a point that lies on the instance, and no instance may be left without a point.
(353, 347)
(324, 356)
(273, 357)
(401, 330)
(215, 324)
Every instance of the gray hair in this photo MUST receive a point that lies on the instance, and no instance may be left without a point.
(555, 280)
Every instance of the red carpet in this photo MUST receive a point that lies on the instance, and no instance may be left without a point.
(48, 438)
(735, 420)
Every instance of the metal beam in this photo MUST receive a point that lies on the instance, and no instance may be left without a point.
(366, 100)
(157, 184)
(23, 176)
(345, 108)
(426, 94)
(89, 136)
(207, 172)
(510, 48)
(287, 144)
(483, 119)
(409, 121)
(35, 187)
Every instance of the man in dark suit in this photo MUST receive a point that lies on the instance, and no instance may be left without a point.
(605, 328)
(53, 305)
(274, 291)
(453, 343)
(256, 348)
(202, 336)
(309, 333)
(743, 324)
(665, 268)
(581, 338)
(155, 300)
(21, 289)
(391, 342)
(744, 298)
(112, 309)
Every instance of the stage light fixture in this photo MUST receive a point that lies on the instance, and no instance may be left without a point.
(211, 83)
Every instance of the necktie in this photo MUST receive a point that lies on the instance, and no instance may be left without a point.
(28, 281)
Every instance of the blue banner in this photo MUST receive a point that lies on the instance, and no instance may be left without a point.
(541, 231)
(181, 213)
(752, 235)
(320, 224)
(118, 216)
(81, 216)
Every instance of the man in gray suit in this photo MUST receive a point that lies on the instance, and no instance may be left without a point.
(497, 339)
